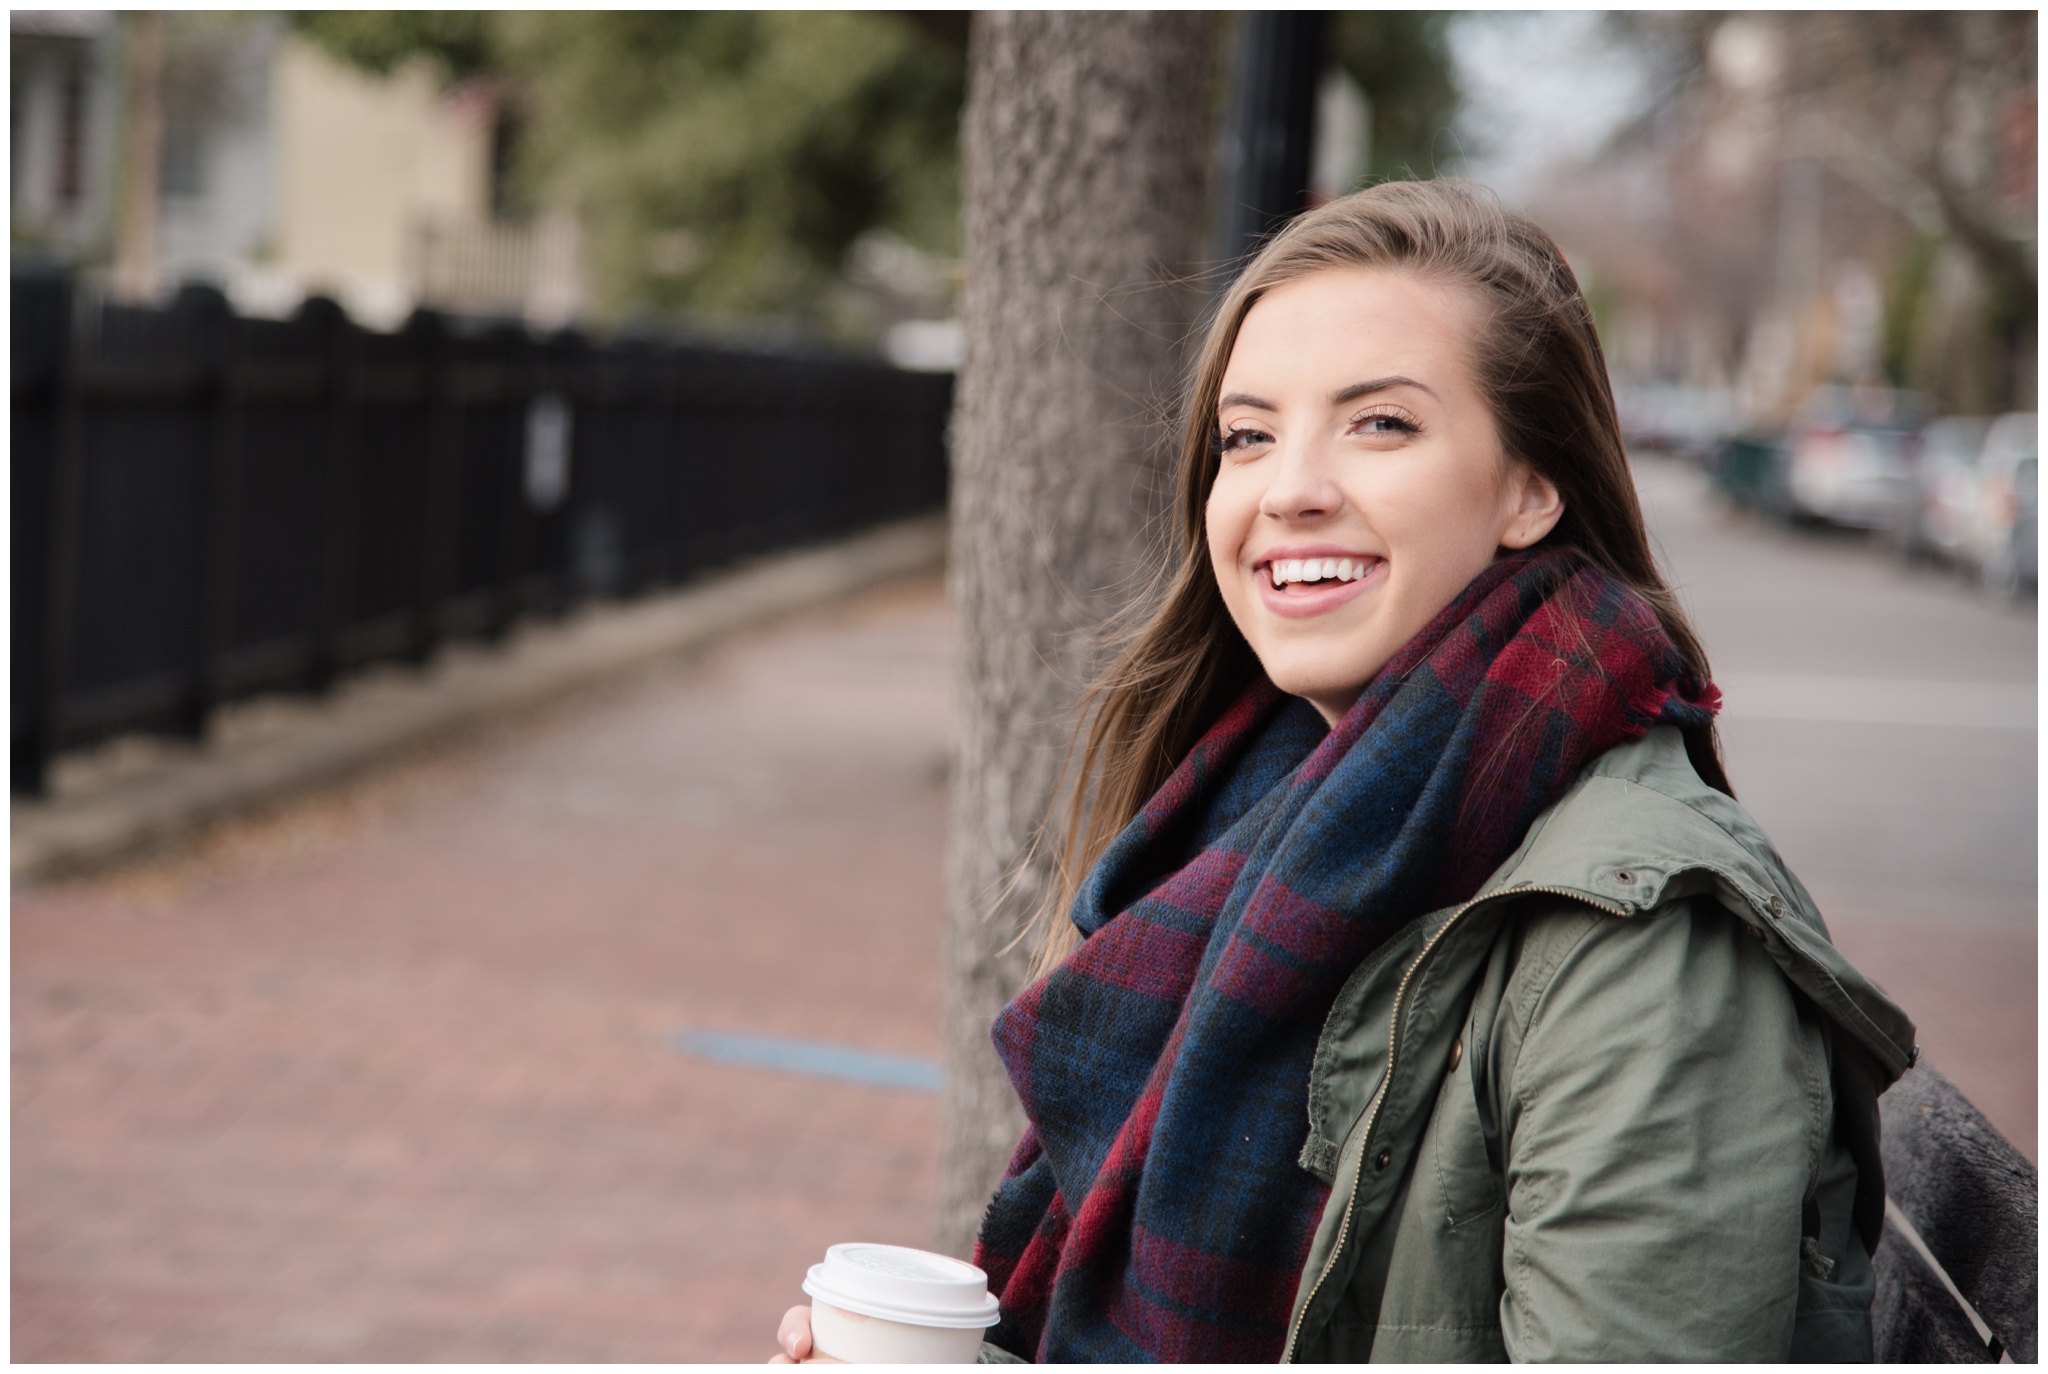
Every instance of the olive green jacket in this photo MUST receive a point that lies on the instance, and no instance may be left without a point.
(1619, 1106)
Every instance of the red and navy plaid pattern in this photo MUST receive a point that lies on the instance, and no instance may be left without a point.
(1155, 1209)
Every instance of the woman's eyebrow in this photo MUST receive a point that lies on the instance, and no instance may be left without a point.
(1358, 389)
(1241, 398)
(1349, 393)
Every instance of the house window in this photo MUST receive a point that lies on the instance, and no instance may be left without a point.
(70, 138)
(184, 164)
(506, 132)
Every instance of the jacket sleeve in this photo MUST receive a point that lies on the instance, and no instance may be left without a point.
(1663, 1108)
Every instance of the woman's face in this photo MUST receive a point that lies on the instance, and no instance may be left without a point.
(1362, 484)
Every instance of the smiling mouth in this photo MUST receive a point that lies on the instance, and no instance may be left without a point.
(1311, 572)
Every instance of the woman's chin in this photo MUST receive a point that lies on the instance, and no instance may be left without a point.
(1330, 695)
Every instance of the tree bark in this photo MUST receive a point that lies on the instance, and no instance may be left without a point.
(1083, 161)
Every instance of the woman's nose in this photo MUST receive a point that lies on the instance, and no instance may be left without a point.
(1303, 487)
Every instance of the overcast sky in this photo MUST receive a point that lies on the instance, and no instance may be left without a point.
(1540, 85)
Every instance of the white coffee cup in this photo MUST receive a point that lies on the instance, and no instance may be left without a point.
(888, 1304)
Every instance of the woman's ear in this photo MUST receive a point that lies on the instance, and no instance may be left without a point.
(1533, 507)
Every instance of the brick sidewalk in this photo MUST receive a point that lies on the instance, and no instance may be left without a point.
(385, 1077)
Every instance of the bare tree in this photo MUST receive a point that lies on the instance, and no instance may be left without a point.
(1776, 143)
(1912, 107)
(1083, 157)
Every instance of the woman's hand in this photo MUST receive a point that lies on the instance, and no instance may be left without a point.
(794, 1336)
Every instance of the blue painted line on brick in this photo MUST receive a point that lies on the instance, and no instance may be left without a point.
(812, 1058)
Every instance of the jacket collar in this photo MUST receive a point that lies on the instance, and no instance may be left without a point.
(1639, 829)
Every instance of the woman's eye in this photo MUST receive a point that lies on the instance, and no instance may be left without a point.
(1384, 424)
(1234, 440)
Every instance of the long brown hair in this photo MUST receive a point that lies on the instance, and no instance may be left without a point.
(1537, 360)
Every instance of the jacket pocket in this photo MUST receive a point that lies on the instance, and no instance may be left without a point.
(1466, 1185)
(1833, 1325)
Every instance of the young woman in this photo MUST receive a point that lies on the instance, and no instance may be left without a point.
(1419, 990)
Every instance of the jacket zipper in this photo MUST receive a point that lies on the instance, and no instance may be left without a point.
(1372, 1110)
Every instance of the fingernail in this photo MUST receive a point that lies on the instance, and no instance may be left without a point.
(790, 1342)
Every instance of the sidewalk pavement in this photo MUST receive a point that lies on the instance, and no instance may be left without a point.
(386, 1073)
(134, 795)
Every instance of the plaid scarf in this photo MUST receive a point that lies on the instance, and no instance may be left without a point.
(1154, 1209)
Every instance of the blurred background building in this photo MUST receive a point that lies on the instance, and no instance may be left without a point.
(281, 172)
(760, 175)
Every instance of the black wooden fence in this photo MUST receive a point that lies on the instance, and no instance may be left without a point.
(207, 506)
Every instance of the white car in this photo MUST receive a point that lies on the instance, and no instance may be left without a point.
(1847, 456)
(1941, 520)
(1672, 418)
(2004, 508)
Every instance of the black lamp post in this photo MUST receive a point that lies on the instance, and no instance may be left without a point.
(1264, 171)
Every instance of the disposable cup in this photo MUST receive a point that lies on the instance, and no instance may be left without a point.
(888, 1304)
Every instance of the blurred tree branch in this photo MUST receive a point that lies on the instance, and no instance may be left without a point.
(1778, 155)
(724, 161)
(1906, 104)
(461, 42)
(1402, 59)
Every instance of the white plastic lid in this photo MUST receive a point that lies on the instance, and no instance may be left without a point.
(899, 1284)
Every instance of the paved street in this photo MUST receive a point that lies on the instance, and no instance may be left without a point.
(388, 1075)
(1916, 839)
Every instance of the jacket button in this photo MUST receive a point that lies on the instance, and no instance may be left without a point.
(1457, 1052)
(1380, 1164)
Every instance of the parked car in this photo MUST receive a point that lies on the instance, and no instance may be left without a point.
(1847, 459)
(2026, 527)
(1938, 517)
(1749, 469)
(1670, 417)
(2007, 508)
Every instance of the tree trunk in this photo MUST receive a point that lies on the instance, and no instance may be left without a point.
(1083, 159)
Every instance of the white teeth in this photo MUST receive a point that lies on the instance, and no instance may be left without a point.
(1286, 570)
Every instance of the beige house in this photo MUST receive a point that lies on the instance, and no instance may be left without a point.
(386, 195)
(281, 173)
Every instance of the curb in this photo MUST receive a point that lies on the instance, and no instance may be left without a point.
(365, 722)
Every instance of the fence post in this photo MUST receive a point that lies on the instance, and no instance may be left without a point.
(210, 329)
(44, 491)
(441, 483)
(568, 373)
(337, 487)
(516, 360)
